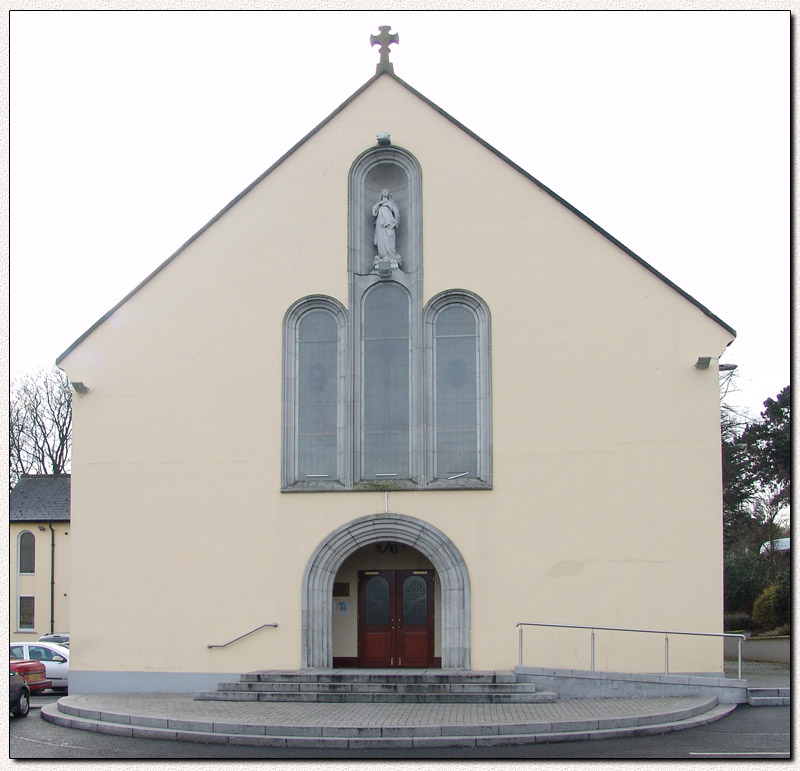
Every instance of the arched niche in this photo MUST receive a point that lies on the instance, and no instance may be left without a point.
(385, 168)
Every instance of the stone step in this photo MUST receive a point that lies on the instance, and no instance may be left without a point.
(67, 712)
(769, 697)
(769, 701)
(377, 676)
(381, 685)
(763, 691)
(377, 687)
(380, 697)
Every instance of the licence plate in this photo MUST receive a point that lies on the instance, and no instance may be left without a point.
(38, 676)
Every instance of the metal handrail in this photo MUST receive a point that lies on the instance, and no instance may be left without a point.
(240, 636)
(665, 632)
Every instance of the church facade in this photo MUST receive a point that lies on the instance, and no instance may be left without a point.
(394, 399)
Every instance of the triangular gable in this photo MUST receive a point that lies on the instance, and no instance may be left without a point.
(456, 123)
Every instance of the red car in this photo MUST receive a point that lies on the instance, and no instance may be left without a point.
(34, 673)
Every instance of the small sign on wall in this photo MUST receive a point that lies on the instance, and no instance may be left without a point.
(341, 589)
(341, 607)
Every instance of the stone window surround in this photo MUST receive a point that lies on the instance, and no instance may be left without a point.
(423, 441)
(290, 327)
(361, 281)
(480, 310)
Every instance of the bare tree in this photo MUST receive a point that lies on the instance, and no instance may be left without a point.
(40, 424)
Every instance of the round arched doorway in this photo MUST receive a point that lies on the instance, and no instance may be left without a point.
(320, 572)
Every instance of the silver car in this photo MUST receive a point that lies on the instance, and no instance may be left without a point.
(54, 657)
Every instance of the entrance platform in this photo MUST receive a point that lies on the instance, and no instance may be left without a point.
(391, 724)
(180, 717)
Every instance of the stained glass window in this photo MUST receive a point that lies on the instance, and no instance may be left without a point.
(317, 395)
(376, 595)
(415, 600)
(456, 393)
(386, 387)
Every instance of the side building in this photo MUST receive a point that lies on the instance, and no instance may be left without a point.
(39, 556)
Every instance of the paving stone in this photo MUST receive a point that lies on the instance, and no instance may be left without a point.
(151, 722)
(307, 741)
(139, 732)
(182, 725)
(575, 725)
(443, 741)
(294, 730)
(525, 728)
(202, 738)
(577, 736)
(115, 729)
(380, 744)
(114, 717)
(471, 730)
(415, 732)
(353, 731)
(258, 741)
(504, 740)
(238, 728)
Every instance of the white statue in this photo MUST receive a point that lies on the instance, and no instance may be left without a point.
(387, 216)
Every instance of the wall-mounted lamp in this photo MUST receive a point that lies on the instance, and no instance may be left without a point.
(79, 387)
(42, 528)
(703, 362)
(727, 367)
(384, 139)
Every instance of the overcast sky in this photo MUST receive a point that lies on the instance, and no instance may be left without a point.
(669, 129)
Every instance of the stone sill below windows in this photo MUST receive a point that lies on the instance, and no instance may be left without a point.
(380, 486)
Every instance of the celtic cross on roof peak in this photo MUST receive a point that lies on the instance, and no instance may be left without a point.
(384, 39)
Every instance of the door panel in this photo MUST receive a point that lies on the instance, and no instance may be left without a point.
(376, 643)
(395, 618)
(415, 618)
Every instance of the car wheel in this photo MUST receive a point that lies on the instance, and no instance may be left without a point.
(23, 705)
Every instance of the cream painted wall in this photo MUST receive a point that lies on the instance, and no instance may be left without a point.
(606, 506)
(38, 584)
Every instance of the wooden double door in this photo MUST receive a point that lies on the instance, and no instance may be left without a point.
(395, 618)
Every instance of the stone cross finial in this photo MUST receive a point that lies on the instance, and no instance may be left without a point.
(385, 39)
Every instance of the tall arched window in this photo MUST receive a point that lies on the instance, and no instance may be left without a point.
(27, 552)
(386, 408)
(455, 348)
(387, 395)
(315, 353)
(458, 393)
(317, 402)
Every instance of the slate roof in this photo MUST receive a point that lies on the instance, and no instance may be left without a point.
(40, 498)
(382, 74)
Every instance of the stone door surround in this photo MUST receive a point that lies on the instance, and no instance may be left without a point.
(320, 572)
